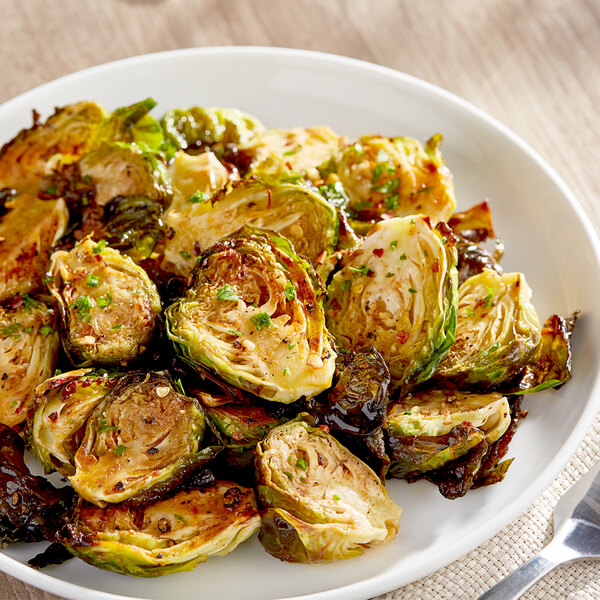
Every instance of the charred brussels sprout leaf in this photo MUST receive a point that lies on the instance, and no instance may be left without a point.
(321, 503)
(294, 211)
(397, 292)
(498, 332)
(396, 177)
(253, 316)
(473, 259)
(281, 155)
(357, 405)
(167, 536)
(134, 225)
(31, 508)
(29, 346)
(474, 224)
(29, 228)
(209, 126)
(121, 169)
(143, 434)
(62, 406)
(108, 305)
(66, 134)
(436, 412)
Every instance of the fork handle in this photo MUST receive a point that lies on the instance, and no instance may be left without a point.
(519, 581)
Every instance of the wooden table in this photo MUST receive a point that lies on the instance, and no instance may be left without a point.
(532, 64)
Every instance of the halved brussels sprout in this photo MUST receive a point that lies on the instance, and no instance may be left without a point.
(396, 177)
(200, 127)
(413, 455)
(553, 368)
(66, 135)
(195, 179)
(29, 346)
(436, 412)
(28, 230)
(120, 169)
(321, 503)
(132, 124)
(108, 305)
(398, 293)
(141, 435)
(134, 225)
(62, 406)
(239, 427)
(283, 154)
(300, 214)
(167, 536)
(253, 315)
(497, 333)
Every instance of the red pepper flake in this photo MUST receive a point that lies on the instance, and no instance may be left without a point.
(435, 267)
(378, 252)
(288, 164)
(321, 258)
(270, 196)
(324, 428)
(402, 336)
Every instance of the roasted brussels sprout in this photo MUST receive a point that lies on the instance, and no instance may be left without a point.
(167, 536)
(108, 305)
(498, 332)
(33, 152)
(120, 169)
(134, 225)
(357, 405)
(397, 292)
(31, 508)
(474, 224)
(320, 502)
(29, 346)
(396, 177)
(132, 124)
(300, 214)
(281, 155)
(436, 412)
(209, 126)
(253, 315)
(195, 179)
(28, 229)
(142, 435)
(553, 368)
(239, 427)
(62, 406)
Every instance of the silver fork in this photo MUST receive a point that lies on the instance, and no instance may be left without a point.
(576, 537)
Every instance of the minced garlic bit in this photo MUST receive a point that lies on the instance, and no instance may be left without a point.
(314, 361)
(162, 391)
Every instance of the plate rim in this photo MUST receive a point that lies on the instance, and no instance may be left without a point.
(381, 583)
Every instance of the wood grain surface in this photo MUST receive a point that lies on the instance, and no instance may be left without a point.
(532, 64)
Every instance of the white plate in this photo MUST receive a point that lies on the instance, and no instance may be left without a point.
(547, 236)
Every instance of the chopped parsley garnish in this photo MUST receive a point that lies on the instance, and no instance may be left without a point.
(185, 254)
(291, 346)
(293, 151)
(425, 252)
(28, 301)
(82, 305)
(197, 197)
(392, 201)
(360, 271)
(389, 187)
(488, 301)
(179, 386)
(335, 194)
(407, 412)
(302, 464)
(12, 330)
(46, 280)
(336, 498)
(104, 426)
(92, 281)
(469, 312)
(46, 329)
(226, 293)
(97, 249)
(286, 371)
(28, 329)
(236, 332)
(116, 327)
(179, 518)
(57, 372)
(104, 301)
(289, 475)
(403, 256)
(289, 292)
(389, 274)
(120, 450)
(393, 244)
(261, 321)
(412, 290)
